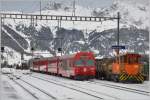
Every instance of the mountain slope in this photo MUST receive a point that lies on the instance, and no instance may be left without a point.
(45, 37)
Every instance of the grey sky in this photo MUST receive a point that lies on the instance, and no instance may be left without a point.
(33, 5)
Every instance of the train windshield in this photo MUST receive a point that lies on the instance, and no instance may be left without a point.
(90, 63)
(84, 63)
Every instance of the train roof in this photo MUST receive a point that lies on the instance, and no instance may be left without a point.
(46, 58)
(76, 55)
(128, 54)
(132, 54)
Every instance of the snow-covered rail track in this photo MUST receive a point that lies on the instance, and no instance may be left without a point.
(28, 91)
(77, 88)
(98, 89)
(121, 88)
(41, 90)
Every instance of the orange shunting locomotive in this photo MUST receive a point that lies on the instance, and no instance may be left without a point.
(127, 68)
(123, 68)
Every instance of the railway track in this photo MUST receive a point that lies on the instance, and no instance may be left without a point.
(33, 94)
(74, 87)
(67, 83)
(147, 93)
(18, 77)
(121, 88)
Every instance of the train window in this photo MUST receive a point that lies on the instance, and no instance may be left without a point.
(121, 59)
(132, 60)
(84, 63)
(90, 63)
(65, 64)
(125, 59)
(79, 63)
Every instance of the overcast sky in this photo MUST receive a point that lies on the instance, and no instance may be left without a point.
(33, 5)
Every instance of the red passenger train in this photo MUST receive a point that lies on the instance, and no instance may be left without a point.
(80, 65)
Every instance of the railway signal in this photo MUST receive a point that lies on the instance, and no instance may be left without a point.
(32, 49)
(2, 49)
(59, 49)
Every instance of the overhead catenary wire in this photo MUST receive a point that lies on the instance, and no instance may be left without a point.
(33, 17)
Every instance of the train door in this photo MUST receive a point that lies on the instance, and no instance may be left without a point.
(64, 68)
(58, 61)
(123, 61)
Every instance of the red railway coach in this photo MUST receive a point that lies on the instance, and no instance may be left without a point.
(80, 65)
(45, 65)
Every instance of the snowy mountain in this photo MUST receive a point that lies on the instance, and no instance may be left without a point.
(134, 13)
(46, 38)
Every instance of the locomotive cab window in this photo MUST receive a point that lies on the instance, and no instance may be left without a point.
(123, 59)
(133, 59)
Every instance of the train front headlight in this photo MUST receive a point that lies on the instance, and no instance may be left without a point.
(84, 69)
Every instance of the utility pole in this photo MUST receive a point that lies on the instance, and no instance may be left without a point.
(73, 12)
(0, 41)
(118, 28)
(0, 54)
(61, 46)
(118, 31)
(40, 7)
(60, 39)
(74, 8)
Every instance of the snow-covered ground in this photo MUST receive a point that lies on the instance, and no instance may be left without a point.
(11, 91)
(26, 85)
